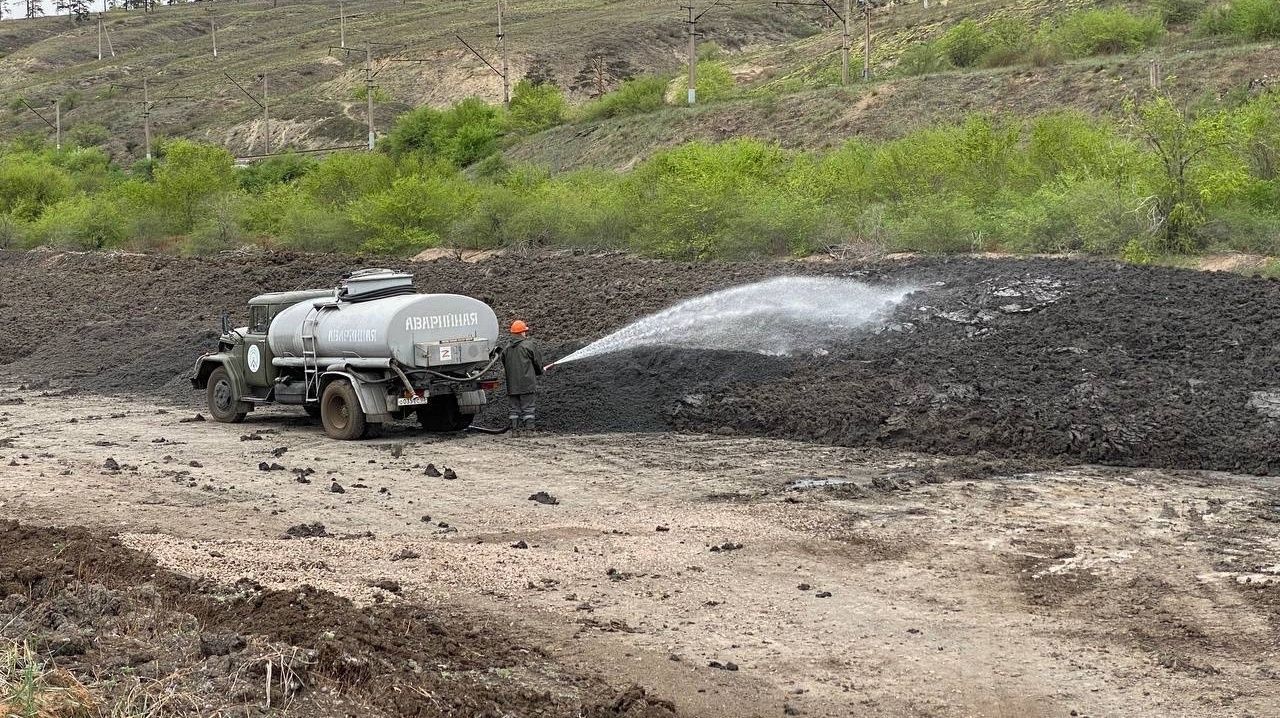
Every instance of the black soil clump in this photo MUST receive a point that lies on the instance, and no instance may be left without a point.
(1072, 360)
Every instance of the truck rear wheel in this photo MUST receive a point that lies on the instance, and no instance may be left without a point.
(340, 411)
(443, 415)
(222, 398)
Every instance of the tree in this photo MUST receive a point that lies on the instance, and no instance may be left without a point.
(33, 8)
(77, 9)
(1183, 142)
(189, 175)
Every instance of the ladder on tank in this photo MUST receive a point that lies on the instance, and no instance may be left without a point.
(310, 368)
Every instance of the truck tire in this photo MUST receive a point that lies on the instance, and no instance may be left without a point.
(443, 415)
(340, 411)
(222, 398)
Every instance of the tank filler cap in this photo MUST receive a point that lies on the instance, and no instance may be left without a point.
(367, 281)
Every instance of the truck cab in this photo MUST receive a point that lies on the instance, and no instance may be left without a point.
(247, 374)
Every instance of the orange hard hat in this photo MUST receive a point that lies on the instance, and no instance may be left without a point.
(519, 327)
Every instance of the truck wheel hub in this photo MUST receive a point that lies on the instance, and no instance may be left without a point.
(222, 394)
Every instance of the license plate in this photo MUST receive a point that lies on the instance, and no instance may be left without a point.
(415, 401)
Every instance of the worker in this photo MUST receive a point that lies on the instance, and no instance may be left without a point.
(523, 365)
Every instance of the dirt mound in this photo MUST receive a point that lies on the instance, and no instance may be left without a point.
(1085, 360)
(126, 634)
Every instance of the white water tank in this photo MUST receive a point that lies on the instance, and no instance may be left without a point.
(376, 316)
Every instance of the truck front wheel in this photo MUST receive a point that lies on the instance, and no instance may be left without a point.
(340, 411)
(222, 398)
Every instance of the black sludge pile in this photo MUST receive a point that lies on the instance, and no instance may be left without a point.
(1083, 360)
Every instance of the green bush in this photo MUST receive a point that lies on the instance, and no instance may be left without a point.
(220, 230)
(414, 213)
(88, 135)
(1105, 32)
(1250, 19)
(190, 174)
(13, 232)
(1178, 12)
(29, 185)
(81, 222)
(284, 168)
(936, 224)
(461, 135)
(922, 59)
(635, 96)
(344, 177)
(715, 82)
(536, 107)
(964, 44)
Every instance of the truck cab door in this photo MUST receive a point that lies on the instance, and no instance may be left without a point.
(257, 354)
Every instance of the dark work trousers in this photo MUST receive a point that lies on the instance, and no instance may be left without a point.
(522, 408)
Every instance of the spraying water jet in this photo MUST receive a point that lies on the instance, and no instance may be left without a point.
(782, 316)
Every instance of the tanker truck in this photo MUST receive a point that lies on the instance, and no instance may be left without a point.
(361, 355)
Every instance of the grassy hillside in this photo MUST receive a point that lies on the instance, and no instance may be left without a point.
(784, 61)
(316, 93)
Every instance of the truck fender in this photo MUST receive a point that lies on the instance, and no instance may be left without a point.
(207, 363)
(373, 398)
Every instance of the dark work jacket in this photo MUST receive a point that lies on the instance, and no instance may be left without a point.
(523, 364)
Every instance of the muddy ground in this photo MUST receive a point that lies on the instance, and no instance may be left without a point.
(999, 502)
(1083, 361)
(732, 576)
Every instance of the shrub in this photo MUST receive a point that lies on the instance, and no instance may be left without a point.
(536, 107)
(346, 176)
(715, 82)
(936, 224)
(284, 168)
(1251, 19)
(635, 96)
(81, 222)
(1104, 32)
(88, 135)
(28, 185)
(922, 59)
(414, 213)
(187, 176)
(463, 134)
(964, 44)
(1178, 12)
(13, 231)
(220, 230)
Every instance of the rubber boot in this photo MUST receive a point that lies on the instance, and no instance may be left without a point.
(516, 429)
(529, 427)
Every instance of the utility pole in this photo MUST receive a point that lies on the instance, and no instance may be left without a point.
(844, 43)
(506, 71)
(146, 118)
(147, 105)
(866, 40)
(100, 37)
(263, 105)
(693, 48)
(369, 74)
(266, 113)
(844, 38)
(368, 89)
(57, 130)
(342, 22)
(213, 30)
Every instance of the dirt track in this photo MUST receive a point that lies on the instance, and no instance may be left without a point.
(958, 587)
